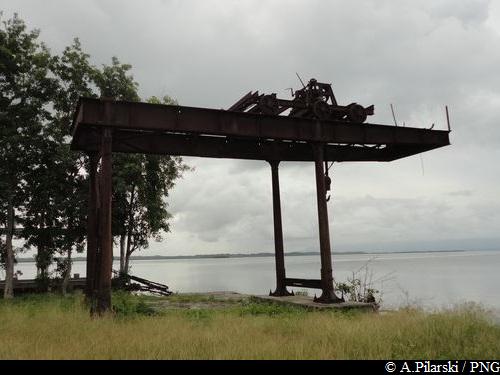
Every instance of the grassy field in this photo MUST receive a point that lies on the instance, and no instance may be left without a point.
(55, 327)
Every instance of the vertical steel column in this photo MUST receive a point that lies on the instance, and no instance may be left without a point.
(278, 234)
(106, 240)
(92, 238)
(328, 294)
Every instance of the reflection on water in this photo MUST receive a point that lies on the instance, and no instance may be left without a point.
(428, 279)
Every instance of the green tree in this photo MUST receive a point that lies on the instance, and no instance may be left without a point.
(75, 76)
(141, 183)
(54, 209)
(43, 184)
(25, 85)
(41, 217)
(115, 82)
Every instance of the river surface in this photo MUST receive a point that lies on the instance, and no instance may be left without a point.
(431, 280)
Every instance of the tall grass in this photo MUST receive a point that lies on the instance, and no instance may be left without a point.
(56, 327)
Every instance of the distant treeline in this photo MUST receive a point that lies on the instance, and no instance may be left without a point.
(257, 255)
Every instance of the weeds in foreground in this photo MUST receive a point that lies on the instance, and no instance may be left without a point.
(360, 287)
(128, 304)
(60, 327)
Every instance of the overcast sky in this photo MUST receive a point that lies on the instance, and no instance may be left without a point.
(418, 55)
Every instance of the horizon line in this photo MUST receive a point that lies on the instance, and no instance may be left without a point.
(269, 254)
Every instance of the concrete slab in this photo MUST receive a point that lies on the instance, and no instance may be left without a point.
(196, 301)
(308, 303)
(227, 299)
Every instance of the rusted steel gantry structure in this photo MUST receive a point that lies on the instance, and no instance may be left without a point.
(102, 127)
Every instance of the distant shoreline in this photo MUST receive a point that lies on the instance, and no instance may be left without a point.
(257, 255)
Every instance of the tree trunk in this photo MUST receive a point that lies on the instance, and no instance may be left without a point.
(9, 260)
(42, 256)
(42, 269)
(130, 229)
(122, 253)
(128, 251)
(92, 233)
(67, 274)
(127, 256)
(106, 237)
(127, 260)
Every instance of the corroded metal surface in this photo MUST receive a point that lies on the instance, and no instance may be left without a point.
(278, 234)
(315, 100)
(178, 130)
(257, 127)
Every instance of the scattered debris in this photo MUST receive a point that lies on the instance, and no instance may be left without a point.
(125, 282)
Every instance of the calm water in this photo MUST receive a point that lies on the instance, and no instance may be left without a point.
(429, 279)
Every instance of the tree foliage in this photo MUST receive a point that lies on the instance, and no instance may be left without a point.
(26, 88)
(43, 184)
(140, 182)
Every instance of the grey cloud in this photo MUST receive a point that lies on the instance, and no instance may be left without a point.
(416, 55)
(461, 193)
(469, 12)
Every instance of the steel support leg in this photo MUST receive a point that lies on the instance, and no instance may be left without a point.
(328, 294)
(92, 237)
(278, 234)
(105, 238)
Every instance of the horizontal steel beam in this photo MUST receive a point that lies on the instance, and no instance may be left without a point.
(304, 283)
(234, 148)
(191, 120)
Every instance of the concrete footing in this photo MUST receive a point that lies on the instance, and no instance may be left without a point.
(308, 303)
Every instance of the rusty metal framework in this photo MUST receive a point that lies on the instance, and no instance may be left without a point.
(314, 100)
(255, 128)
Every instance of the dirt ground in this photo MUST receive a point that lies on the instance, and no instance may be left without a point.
(193, 301)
